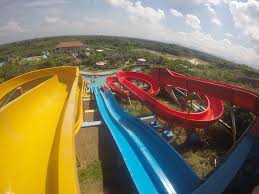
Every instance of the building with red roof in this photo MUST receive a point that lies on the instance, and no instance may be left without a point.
(71, 46)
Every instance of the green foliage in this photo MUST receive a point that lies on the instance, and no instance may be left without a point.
(8, 71)
(179, 66)
(46, 64)
(118, 50)
(91, 173)
(90, 61)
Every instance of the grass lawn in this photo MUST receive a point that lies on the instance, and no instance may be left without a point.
(90, 173)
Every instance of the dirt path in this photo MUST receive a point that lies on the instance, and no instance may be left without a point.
(87, 145)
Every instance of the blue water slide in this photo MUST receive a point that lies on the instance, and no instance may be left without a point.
(139, 175)
(166, 169)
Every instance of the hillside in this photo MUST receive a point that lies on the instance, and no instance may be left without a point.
(118, 50)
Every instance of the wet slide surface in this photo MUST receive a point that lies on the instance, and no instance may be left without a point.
(160, 168)
(37, 132)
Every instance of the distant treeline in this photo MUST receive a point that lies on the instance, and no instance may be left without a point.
(123, 49)
(34, 47)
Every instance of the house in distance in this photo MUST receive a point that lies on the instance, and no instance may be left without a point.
(72, 46)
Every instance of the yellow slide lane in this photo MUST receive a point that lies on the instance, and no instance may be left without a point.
(37, 132)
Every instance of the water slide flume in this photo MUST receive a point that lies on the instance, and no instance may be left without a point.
(116, 86)
(235, 95)
(154, 166)
(37, 132)
(209, 115)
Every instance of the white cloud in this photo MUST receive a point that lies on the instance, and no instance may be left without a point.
(246, 17)
(215, 18)
(176, 13)
(212, 2)
(210, 9)
(190, 20)
(228, 35)
(216, 21)
(138, 13)
(222, 48)
(193, 21)
(52, 20)
(97, 20)
(227, 41)
(11, 27)
(41, 3)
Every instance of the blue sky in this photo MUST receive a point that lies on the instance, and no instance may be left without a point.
(225, 28)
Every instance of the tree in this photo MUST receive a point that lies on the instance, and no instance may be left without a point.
(8, 71)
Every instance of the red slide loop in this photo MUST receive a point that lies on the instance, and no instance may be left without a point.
(189, 120)
(213, 93)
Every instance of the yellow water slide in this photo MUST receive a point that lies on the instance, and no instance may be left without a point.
(40, 113)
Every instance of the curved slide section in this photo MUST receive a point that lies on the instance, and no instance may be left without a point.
(189, 120)
(37, 132)
(114, 84)
(236, 95)
(163, 168)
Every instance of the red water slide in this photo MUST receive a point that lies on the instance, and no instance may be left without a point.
(112, 82)
(118, 88)
(236, 95)
(213, 93)
(191, 120)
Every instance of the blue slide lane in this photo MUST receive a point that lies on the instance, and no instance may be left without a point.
(167, 172)
(136, 169)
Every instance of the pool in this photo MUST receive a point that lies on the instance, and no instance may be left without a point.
(136, 68)
(32, 58)
(97, 80)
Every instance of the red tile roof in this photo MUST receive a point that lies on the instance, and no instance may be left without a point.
(69, 44)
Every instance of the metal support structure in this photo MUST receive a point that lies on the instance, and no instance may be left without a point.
(129, 101)
(193, 106)
(203, 108)
(233, 121)
(181, 92)
(200, 98)
(141, 110)
(78, 161)
(177, 136)
(172, 94)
